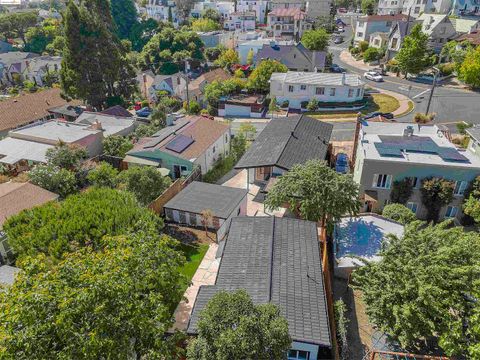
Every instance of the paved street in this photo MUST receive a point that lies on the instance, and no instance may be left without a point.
(451, 105)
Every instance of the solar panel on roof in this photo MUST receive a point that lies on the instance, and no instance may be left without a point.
(180, 143)
(448, 154)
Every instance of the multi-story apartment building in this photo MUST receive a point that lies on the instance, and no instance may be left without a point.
(244, 21)
(258, 6)
(388, 152)
(417, 7)
(288, 23)
(298, 88)
(160, 10)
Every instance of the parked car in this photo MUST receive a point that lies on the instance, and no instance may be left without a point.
(338, 40)
(341, 164)
(342, 10)
(378, 113)
(373, 75)
(144, 112)
(336, 69)
(340, 29)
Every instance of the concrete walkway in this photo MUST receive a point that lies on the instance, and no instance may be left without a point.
(205, 275)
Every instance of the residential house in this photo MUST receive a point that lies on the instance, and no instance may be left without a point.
(465, 26)
(225, 8)
(12, 65)
(288, 23)
(145, 81)
(109, 124)
(284, 143)
(357, 240)
(15, 197)
(473, 38)
(439, 29)
(240, 20)
(378, 40)
(388, 152)
(294, 57)
(287, 4)
(242, 105)
(161, 10)
(417, 7)
(389, 7)
(259, 7)
(395, 38)
(276, 260)
(244, 47)
(67, 112)
(298, 88)
(466, 8)
(28, 108)
(197, 86)
(367, 25)
(224, 203)
(173, 84)
(316, 8)
(28, 145)
(117, 110)
(216, 38)
(189, 142)
(37, 68)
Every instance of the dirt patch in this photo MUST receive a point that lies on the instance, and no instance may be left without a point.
(188, 235)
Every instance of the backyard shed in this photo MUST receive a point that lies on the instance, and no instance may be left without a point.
(224, 203)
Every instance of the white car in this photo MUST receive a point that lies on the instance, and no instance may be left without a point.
(374, 76)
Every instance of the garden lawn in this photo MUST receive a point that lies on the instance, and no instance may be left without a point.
(194, 255)
(379, 102)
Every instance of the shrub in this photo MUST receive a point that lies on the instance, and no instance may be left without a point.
(363, 46)
(4, 179)
(447, 68)
(66, 156)
(239, 74)
(304, 104)
(104, 175)
(436, 192)
(371, 54)
(312, 105)
(401, 191)
(193, 108)
(421, 118)
(399, 213)
(57, 180)
(285, 104)
(116, 145)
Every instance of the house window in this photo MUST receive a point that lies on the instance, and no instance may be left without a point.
(358, 92)
(382, 181)
(412, 206)
(332, 91)
(389, 23)
(460, 187)
(298, 355)
(415, 182)
(360, 34)
(303, 87)
(451, 212)
(320, 91)
(290, 88)
(213, 150)
(361, 23)
(417, 10)
(350, 92)
(394, 43)
(226, 138)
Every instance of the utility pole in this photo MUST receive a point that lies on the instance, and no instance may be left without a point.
(431, 92)
(186, 87)
(408, 20)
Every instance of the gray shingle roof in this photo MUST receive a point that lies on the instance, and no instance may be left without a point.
(288, 141)
(474, 132)
(275, 260)
(198, 196)
(281, 53)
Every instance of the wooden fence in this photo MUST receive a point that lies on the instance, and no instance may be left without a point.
(390, 355)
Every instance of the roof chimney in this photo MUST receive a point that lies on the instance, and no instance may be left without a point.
(343, 78)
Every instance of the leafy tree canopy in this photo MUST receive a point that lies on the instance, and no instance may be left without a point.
(317, 191)
(315, 40)
(166, 51)
(436, 192)
(141, 32)
(368, 6)
(456, 52)
(413, 56)
(39, 38)
(469, 70)
(399, 213)
(259, 79)
(125, 15)
(57, 180)
(116, 145)
(114, 303)
(227, 58)
(401, 191)
(16, 24)
(232, 327)
(81, 220)
(212, 14)
(205, 24)
(145, 182)
(66, 156)
(104, 175)
(423, 285)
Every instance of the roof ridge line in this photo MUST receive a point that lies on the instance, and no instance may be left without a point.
(291, 133)
(270, 268)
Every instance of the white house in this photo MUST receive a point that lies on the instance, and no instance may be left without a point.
(439, 29)
(240, 20)
(224, 202)
(298, 88)
(225, 8)
(258, 6)
(378, 40)
(174, 84)
(367, 25)
(160, 9)
(417, 7)
(389, 7)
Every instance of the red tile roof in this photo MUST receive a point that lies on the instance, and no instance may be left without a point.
(473, 38)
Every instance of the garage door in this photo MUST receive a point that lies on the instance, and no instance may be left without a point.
(236, 110)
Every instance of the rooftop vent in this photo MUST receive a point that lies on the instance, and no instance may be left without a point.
(408, 131)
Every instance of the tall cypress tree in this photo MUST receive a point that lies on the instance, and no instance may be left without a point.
(125, 15)
(94, 65)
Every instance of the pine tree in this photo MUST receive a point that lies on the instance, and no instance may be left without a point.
(94, 65)
(125, 15)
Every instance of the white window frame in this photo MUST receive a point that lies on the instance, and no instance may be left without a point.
(291, 88)
(320, 91)
(451, 212)
(385, 181)
(303, 87)
(297, 356)
(350, 93)
(413, 206)
(333, 91)
(460, 187)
